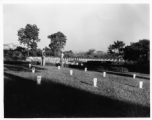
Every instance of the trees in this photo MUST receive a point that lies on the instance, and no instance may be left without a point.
(116, 49)
(33, 52)
(18, 53)
(58, 41)
(138, 51)
(80, 54)
(68, 53)
(48, 51)
(39, 52)
(99, 54)
(90, 53)
(22, 50)
(29, 36)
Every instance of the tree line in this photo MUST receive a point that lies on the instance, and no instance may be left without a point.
(138, 52)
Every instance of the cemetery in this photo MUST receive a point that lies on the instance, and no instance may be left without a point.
(103, 71)
(54, 91)
(57, 86)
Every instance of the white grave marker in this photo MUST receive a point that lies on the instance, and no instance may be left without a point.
(104, 74)
(141, 84)
(29, 65)
(71, 72)
(95, 82)
(59, 67)
(81, 64)
(33, 70)
(134, 76)
(85, 69)
(38, 80)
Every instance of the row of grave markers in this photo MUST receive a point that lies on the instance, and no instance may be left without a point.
(80, 59)
(71, 73)
(68, 60)
(95, 83)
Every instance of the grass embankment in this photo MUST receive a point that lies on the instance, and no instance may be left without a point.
(62, 95)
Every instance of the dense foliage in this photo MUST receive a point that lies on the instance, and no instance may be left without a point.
(116, 49)
(58, 41)
(138, 51)
(29, 36)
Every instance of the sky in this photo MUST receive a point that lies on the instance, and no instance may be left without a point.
(86, 26)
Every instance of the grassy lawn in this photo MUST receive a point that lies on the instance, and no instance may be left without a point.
(63, 95)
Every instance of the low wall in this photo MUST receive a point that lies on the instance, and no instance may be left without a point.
(57, 59)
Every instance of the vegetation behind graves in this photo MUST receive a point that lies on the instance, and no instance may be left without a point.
(118, 67)
(116, 49)
(58, 41)
(138, 52)
(29, 36)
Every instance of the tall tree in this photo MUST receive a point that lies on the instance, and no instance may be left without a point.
(28, 36)
(138, 51)
(116, 49)
(58, 41)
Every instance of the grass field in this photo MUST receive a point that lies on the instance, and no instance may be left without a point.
(61, 95)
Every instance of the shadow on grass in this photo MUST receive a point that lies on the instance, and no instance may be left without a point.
(78, 67)
(21, 67)
(127, 74)
(118, 73)
(86, 83)
(24, 99)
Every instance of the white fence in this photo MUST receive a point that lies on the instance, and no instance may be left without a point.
(69, 60)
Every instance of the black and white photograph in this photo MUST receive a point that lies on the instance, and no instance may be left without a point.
(76, 60)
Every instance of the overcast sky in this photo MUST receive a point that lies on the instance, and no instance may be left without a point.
(86, 26)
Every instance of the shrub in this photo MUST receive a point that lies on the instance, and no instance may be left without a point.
(119, 69)
(35, 62)
(110, 68)
(50, 64)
